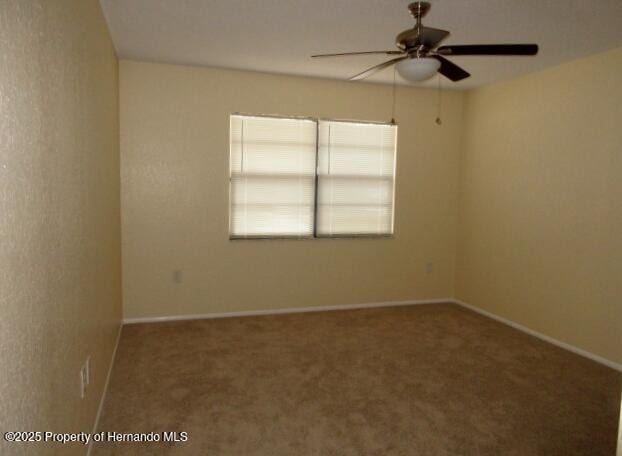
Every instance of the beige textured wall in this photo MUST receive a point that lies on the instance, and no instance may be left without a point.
(60, 296)
(540, 236)
(174, 173)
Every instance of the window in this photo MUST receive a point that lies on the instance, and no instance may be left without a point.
(272, 176)
(356, 168)
(309, 178)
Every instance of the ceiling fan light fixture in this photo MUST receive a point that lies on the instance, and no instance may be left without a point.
(416, 45)
(418, 69)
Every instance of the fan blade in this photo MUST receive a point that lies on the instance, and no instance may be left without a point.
(451, 70)
(489, 49)
(360, 53)
(376, 68)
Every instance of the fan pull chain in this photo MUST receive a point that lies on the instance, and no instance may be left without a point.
(393, 102)
(438, 104)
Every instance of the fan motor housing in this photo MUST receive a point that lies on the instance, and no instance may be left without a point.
(409, 39)
(412, 41)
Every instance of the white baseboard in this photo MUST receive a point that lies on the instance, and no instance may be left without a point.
(544, 337)
(105, 389)
(290, 310)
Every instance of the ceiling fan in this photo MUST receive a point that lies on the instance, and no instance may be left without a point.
(419, 54)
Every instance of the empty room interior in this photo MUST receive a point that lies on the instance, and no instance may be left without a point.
(347, 227)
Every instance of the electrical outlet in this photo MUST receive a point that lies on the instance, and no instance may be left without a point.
(429, 267)
(87, 368)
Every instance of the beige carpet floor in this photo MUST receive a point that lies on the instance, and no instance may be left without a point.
(418, 380)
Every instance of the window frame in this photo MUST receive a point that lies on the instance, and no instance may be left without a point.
(314, 235)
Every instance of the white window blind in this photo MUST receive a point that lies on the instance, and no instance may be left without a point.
(272, 166)
(356, 174)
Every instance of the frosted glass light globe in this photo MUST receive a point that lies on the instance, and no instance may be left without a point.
(418, 69)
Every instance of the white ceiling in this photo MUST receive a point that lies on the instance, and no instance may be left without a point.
(278, 36)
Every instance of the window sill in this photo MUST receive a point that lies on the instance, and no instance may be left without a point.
(312, 238)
